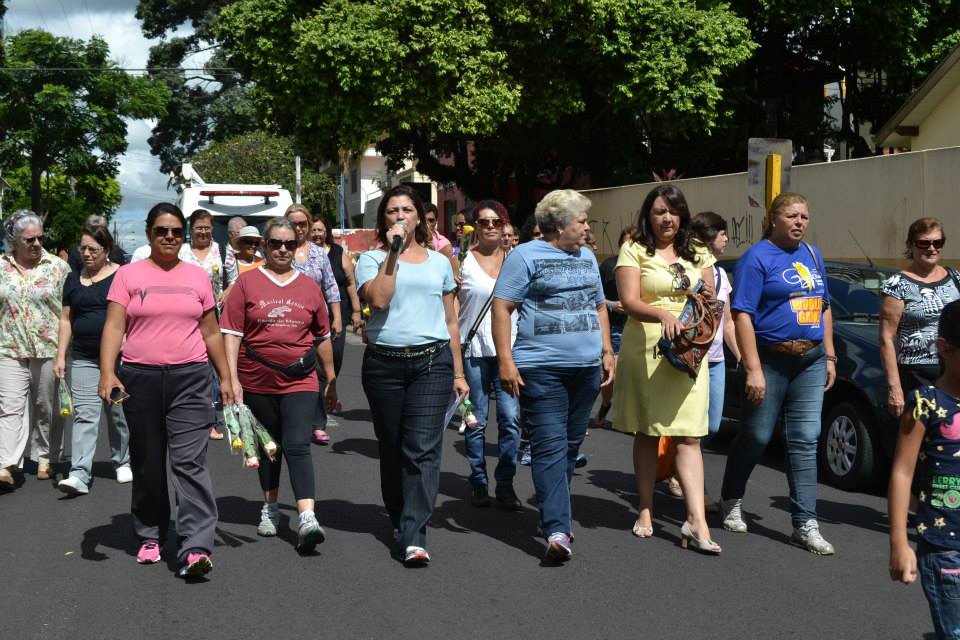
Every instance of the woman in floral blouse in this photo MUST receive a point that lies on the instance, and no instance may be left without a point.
(31, 287)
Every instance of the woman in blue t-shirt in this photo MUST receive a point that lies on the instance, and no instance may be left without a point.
(781, 311)
(411, 363)
(561, 350)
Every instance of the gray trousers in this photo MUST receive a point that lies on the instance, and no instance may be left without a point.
(169, 413)
(87, 409)
(27, 398)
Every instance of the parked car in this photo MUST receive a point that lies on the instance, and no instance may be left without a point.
(858, 436)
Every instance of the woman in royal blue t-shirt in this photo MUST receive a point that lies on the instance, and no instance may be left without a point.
(781, 311)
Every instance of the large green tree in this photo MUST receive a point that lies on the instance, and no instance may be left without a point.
(62, 107)
(261, 158)
(478, 91)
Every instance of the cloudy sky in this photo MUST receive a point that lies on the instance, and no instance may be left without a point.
(141, 183)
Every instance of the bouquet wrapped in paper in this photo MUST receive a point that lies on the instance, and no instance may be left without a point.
(465, 411)
(66, 404)
(246, 433)
(234, 438)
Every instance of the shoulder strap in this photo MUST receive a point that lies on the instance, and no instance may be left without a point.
(483, 311)
(816, 261)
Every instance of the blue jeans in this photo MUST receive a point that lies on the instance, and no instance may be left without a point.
(480, 372)
(556, 404)
(795, 385)
(939, 570)
(718, 386)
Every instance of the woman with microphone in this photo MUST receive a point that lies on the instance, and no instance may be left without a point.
(411, 363)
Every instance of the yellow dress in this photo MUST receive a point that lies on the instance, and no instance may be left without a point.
(650, 395)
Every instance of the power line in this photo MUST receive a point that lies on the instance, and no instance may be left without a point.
(66, 18)
(126, 69)
(86, 10)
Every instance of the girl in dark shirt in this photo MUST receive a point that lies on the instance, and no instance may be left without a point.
(82, 318)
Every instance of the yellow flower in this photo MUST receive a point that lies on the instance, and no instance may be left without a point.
(467, 229)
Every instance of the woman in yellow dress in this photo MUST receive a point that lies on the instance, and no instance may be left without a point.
(652, 398)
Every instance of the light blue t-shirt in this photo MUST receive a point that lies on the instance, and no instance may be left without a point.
(558, 293)
(415, 314)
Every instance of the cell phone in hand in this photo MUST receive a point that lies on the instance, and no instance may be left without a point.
(118, 395)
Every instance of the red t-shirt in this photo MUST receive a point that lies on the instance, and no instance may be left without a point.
(163, 312)
(280, 321)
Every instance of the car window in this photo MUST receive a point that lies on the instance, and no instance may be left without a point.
(855, 292)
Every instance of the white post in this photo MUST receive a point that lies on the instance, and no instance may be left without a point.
(298, 178)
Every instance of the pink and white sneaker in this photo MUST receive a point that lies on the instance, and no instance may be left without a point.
(149, 552)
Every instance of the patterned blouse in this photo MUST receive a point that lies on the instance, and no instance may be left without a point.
(212, 264)
(916, 340)
(317, 266)
(30, 307)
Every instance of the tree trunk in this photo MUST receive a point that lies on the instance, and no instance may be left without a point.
(36, 188)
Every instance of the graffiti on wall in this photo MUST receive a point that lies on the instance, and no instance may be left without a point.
(741, 230)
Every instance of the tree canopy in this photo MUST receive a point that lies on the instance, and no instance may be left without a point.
(68, 123)
(261, 158)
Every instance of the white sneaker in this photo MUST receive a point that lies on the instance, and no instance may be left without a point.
(73, 486)
(808, 536)
(733, 515)
(124, 475)
(269, 519)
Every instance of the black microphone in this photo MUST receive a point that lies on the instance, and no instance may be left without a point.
(395, 244)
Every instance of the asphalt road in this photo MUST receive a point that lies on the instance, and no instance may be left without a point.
(68, 569)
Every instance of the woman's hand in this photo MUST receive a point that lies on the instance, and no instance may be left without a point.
(609, 364)
(671, 325)
(330, 396)
(617, 307)
(709, 290)
(831, 375)
(108, 382)
(397, 229)
(895, 401)
(461, 388)
(756, 386)
(510, 379)
(903, 563)
(356, 321)
(237, 391)
(226, 393)
(60, 368)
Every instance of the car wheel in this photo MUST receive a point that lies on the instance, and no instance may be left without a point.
(846, 449)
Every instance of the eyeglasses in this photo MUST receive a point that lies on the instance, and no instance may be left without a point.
(251, 242)
(88, 249)
(490, 222)
(926, 244)
(163, 232)
(289, 245)
(681, 281)
(33, 240)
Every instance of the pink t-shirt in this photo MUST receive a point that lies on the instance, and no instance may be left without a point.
(439, 241)
(163, 312)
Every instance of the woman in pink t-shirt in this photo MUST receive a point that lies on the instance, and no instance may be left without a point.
(166, 308)
(279, 315)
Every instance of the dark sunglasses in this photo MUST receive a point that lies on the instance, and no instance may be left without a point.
(289, 245)
(681, 281)
(163, 232)
(490, 222)
(926, 244)
(251, 242)
(34, 240)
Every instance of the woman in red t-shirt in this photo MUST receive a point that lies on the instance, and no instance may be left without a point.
(280, 315)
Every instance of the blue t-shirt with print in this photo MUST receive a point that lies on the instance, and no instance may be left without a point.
(784, 290)
(557, 293)
(415, 314)
(938, 466)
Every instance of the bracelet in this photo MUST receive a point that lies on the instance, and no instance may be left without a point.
(459, 376)
(832, 359)
(607, 353)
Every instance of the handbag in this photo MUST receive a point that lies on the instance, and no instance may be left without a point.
(666, 458)
(301, 368)
(699, 321)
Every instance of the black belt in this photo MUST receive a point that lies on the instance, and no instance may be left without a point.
(162, 367)
(414, 351)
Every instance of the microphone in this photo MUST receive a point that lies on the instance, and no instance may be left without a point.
(395, 244)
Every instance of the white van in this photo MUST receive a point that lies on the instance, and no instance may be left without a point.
(255, 203)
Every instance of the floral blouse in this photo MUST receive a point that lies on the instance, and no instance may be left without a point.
(212, 264)
(317, 266)
(30, 307)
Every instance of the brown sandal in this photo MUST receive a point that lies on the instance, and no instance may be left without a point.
(43, 472)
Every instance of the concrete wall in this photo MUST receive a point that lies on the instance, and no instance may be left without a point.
(873, 200)
(942, 126)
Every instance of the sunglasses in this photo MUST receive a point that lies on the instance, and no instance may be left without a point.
(250, 242)
(289, 245)
(33, 240)
(926, 244)
(163, 232)
(681, 281)
(495, 223)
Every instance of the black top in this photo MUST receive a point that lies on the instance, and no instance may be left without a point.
(336, 263)
(76, 263)
(88, 313)
(608, 278)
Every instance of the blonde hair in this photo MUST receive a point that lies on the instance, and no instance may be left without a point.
(777, 207)
(294, 208)
(559, 208)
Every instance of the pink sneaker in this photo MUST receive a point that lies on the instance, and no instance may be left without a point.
(149, 552)
(198, 564)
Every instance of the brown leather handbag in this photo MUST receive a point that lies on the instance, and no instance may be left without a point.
(700, 320)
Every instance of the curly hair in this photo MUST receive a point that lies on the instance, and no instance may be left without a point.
(683, 241)
(18, 221)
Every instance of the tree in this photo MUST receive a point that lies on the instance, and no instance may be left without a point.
(211, 105)
(482, 90)
(72, 121)
(261, 158)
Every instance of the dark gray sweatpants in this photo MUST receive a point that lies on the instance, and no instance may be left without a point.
(169, 412)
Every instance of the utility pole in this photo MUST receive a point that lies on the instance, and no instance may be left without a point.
(297, 165)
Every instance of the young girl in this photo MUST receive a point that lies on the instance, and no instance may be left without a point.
(930, 434)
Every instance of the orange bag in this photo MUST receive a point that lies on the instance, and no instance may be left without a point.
(666, 458)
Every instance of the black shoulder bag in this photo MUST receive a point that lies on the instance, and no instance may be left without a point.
(301, 368)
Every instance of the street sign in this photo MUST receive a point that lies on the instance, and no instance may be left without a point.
(768, 169)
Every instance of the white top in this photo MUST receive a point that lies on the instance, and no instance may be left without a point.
(723, 295)
(140, 253)
(476, 286)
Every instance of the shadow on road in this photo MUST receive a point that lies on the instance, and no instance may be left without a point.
(842, 513)
(116, 535)
(342, 515)
(356, 415)
(364, 446)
